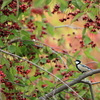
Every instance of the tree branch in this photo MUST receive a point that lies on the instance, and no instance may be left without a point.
(63, 87)
(65, 84)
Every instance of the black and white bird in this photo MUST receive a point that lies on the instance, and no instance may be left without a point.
(82, 68)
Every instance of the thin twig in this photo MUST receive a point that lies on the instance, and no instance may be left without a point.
(12, 41)
(68, 26)
(18, 39)
(91, 62)
(91, 90)
(17, 7)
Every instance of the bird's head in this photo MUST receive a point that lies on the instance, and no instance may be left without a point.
(77, 61)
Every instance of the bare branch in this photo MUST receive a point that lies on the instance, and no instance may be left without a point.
(63, 87)
(95, 83)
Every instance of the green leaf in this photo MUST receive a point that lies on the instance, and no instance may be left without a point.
(5, 3)
(27, 42)
(76, 53)
(88, 54)
(87, 40)
(50, 69)
(63, 4)
(95, 11)
(77, 16)
(46, 75)
(77, 3)
(50, 29)
(69, 61)
(84, 6)
(38, 3)
(48, 1)
(25, 33)
(25, 38)
(13, 18)
(49, 83)
(23, 50)
(98, 49)
(5, 61)
(1, 43)
(43, 60)
(13, 70)
(39, 25)
(3, 18)
(16, 32)
(91, 15)
(12, 48)
(27, 13)
(47, 50)
(10, 76)
(51, 56)
(83, 32)
(35, 60)
(18, 51)
(79, 57)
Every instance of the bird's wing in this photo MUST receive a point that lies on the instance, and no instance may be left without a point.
(86, 66)
(83, 68)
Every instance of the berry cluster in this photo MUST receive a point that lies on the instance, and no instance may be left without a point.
(13, 4)
(56, 9)
(5, 27)
(13, 95)
(70, 15)
(20, 70)
(90, 23)
(92, 44)
(66, 75)
(8, 12)
(31, 25)
(2, 75)
(23, 7)
(37, 73)
(38, 11)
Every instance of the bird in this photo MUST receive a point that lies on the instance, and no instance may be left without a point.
(81, 67)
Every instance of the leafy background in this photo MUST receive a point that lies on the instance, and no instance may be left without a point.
(51, 34)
